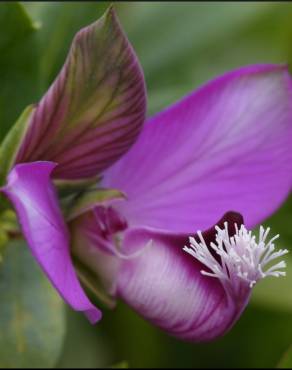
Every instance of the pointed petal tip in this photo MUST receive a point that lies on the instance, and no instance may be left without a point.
(94, 315)
(109, 15)
(111, 12)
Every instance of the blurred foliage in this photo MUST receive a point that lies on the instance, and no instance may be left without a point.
(84, 345)
(58, 24)
(286, 360)
(277, 293)
(120, 365)
(32, 319)
(18, 63)
(258, 339)
(180, 46)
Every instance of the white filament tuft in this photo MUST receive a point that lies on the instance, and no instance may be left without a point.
(241, 255)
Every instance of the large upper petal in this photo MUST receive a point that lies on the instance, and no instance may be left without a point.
(94, 110)
(30, 190)
(225, 146)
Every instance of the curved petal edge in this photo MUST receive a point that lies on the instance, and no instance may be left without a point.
(30, 190)
(225, 146)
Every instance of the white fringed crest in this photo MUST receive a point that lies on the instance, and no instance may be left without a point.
(241, 255)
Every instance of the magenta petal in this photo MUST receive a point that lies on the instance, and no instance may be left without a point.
(165, 286)
(225, 146)
(30, 190)
(94, 110)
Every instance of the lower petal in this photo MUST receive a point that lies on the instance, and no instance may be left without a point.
(166, 286)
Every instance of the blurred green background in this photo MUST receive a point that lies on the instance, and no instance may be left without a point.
(180, 45)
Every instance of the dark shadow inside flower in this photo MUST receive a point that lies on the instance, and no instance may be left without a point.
(232, 218)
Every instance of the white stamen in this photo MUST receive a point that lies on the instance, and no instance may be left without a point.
(241, 255)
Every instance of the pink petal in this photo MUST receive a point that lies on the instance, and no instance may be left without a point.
(94, 110)
(30, 190)
(165, 286)
(225, 146)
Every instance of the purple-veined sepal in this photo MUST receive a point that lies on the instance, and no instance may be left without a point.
(94, 110)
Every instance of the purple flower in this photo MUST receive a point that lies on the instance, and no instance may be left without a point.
(227, 146)
(224, 147)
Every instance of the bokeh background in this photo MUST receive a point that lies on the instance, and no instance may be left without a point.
(180, 46)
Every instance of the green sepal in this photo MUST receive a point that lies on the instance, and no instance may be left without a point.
(9, 228)
(11, 143)
(87, 200)
(70, 187)
(93, 285)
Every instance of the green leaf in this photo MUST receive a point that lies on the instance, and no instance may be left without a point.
(31, 313)
(286, 360)
(12, 141)
(18, 63)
